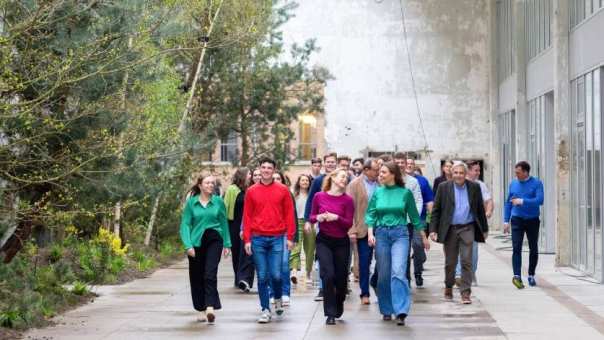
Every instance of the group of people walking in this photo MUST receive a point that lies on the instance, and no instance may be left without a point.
(341, 217)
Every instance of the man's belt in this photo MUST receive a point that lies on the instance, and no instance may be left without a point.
(462, 225)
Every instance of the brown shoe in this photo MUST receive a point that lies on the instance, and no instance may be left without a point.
(465, 298)
(449, 293)
(365, 300)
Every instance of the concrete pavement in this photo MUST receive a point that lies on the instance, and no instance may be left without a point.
(159, 307)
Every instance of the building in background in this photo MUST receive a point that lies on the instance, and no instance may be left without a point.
(370, 104)
(497, 81)
(547, 95)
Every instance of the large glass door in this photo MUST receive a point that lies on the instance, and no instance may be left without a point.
(507, 150)
(540, 156)
(586, 179)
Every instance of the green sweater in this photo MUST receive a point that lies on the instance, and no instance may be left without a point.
(196, 219)
(392, 206)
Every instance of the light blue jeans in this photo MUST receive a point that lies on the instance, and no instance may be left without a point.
(474, 260)
(392, 250)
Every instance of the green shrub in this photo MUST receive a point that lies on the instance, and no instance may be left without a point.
(117, 264)
(64, 272)
(46, 280)
(57, 252)
(80, 288)
(143, 262)
(9, 319)
(94, 261)
(167, 249)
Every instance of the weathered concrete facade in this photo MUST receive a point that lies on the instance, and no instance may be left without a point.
(498, 80)
(370, 106)
(552, 98)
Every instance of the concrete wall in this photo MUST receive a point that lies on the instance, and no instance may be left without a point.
(586, 45)
(370, 104)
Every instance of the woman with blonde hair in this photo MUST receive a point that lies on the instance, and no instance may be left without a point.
(204, 232)
(334, 209)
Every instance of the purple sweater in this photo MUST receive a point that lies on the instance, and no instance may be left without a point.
(343, 206)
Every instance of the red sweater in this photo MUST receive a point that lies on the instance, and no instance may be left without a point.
(268, 211)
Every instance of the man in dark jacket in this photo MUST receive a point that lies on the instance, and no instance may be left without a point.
(458, 219)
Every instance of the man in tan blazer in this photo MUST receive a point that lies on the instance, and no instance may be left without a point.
(361, 189)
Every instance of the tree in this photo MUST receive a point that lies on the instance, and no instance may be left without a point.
(249, 88)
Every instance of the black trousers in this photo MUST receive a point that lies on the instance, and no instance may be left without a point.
(235, 247)
(334, 259)
(246, 266)
(203, 271)
(530, 227)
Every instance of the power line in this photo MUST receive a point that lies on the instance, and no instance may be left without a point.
(419, 112)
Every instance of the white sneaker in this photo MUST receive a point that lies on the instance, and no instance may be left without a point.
(265, 316)
(279, 307)
(272, 301)
(286, 300)
(201, 317)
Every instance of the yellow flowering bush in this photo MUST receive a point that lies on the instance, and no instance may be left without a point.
(71, 230)
(113, 241)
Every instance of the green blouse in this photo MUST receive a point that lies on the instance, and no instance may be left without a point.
(196, 219)
(392, 206)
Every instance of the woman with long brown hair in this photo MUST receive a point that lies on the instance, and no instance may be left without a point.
(446, 174)
(390, 210)
(240, 182)
(334, 209)
(306, 240)
(204, 232)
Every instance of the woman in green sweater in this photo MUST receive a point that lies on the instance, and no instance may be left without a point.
(204, 231)
(389, 211)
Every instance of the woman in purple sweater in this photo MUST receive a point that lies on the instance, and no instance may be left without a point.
(334, 210)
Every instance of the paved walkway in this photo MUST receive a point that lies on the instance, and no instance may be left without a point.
(159, 307)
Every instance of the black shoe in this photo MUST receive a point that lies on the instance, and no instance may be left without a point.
(419, 281)
(330, 320)
(387, 317)
(244, 286)
(319, 296)
(400, 319)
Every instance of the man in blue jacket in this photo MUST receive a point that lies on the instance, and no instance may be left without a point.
(522, 210)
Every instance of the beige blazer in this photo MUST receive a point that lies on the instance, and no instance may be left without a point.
(356, 190)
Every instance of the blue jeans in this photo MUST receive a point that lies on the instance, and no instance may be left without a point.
(419, 254)
(474, 260)
(365, 257)
(392, 251)
(268, 255)
(285, 284)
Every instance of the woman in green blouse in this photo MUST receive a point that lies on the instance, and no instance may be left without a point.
(205, 234)
(389, 211)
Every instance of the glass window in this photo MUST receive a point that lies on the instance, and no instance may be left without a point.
(504, 34)
(228, 148)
